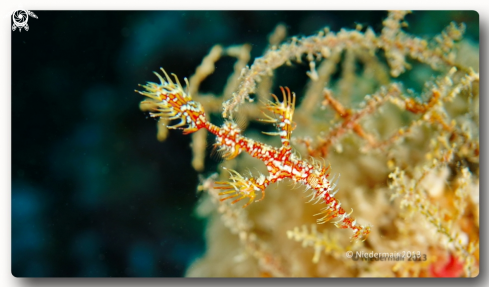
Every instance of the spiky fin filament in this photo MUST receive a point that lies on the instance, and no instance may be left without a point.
(285, 111)
(172, 102)
(240, 188)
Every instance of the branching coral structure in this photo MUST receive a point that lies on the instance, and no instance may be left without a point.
(408, 159)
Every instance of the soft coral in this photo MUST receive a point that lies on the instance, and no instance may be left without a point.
(452, 268)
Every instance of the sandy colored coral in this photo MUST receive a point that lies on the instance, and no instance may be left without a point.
(408, 160)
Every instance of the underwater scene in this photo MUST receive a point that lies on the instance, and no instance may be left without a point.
(245, 144)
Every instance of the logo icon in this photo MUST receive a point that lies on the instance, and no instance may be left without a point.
(20, 18)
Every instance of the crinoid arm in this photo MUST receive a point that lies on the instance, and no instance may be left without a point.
(172, 102)
(285, 112)
(241, 187)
